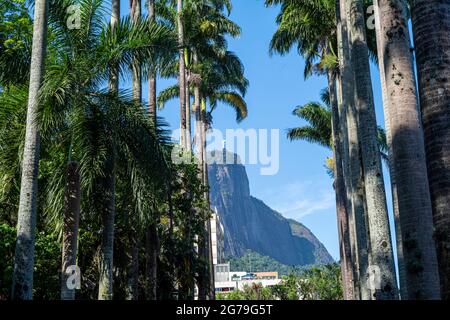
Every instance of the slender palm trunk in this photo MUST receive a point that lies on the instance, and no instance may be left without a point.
(349, 129)
(188, 113)
(341, 196)
(381, 254)
(208, 248)
(22, 288)
(70, 229)
(431, 26)
(106, 195)
(135, 13)
(152, 73)
(181, 74)
(106, 191)
(420, 272)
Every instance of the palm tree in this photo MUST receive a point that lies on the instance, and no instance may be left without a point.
(421, 280)
(152, 74)
(26, 222)
(430, 21)
(181, 73)
(303, 24)
(381, 254)
(351, 156)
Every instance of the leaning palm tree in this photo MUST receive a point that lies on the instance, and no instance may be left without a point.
(431, 25)
(24, 255)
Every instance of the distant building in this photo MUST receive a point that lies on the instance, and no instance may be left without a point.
(266, 275)
(238, 280)
(217, 239)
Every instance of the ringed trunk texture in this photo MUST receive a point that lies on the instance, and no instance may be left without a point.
(70, 229)
(431, 26)
(341, 196)
(357, 217)
(420, 271)
(381, 255)
(22, 287)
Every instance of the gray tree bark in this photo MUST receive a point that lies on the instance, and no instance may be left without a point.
(72, 200)
(381, 255)
(135, 13)
(341, 195)
(22, 288)
(181, 74)
(349, 129)
(431, 26)
(419, 273)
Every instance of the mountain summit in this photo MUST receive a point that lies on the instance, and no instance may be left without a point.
(249, 224)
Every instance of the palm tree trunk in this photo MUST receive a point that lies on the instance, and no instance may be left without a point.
(135, 13)
(394, 190)
(420, 272)
(208, 247)
(349, 129)
(381, 254)
(107, 190)
(182, 74)
(188, 114)
(106, 195)
(152, 73)
(133, 266)
(114, 72)
(22, 288)
(70, 228)
(431, 26)
(152, 261)
(341, 196)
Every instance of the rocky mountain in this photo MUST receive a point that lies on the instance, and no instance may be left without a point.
(251, 224)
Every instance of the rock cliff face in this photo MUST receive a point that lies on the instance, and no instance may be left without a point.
(250, 224)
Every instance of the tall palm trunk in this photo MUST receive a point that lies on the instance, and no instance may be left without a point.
(133, 254)
(394, 190)
(152, 73)
(70, 228)
(202, 240)
(431, 26)
(341, 194)
(381, 254)
(106, 191)
(188, 106)
(407, 153)
(106, 197)
(349, 129)
(135, 13)
(208, 247)
(181, 74)
(22, 288)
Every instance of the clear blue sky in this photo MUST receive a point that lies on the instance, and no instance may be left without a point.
(302, 189)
